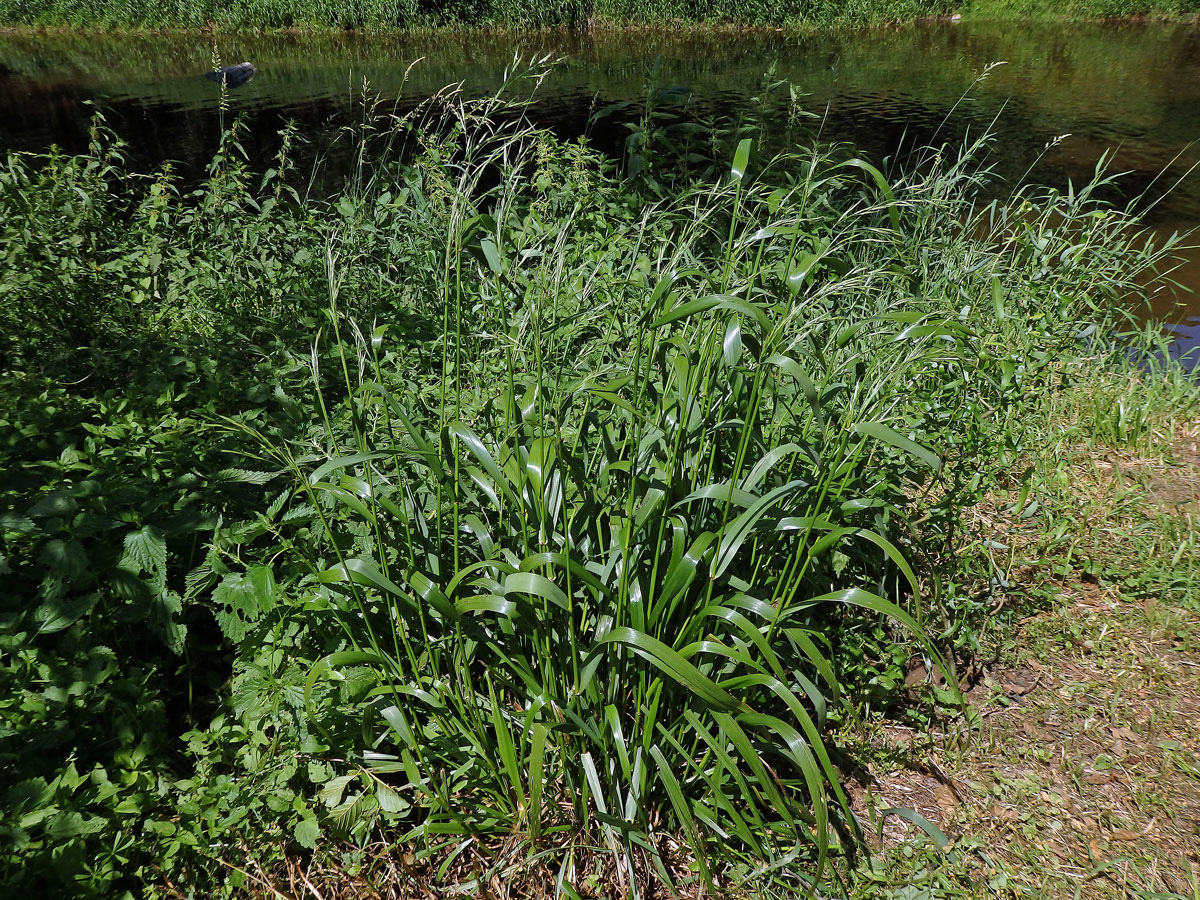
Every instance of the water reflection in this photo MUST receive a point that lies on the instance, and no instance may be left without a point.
(1130, 90)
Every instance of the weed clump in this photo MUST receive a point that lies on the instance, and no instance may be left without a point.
(512, 498)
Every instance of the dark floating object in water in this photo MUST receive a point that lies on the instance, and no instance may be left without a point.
(233, 76)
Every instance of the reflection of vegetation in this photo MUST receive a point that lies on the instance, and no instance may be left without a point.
(505, 500)
(1108, 85)
(1086, 9)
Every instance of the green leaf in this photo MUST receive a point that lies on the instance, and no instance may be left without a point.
(72, 824)
(11, 521)
(727, 302)
(794, 369)
(798, 272)
(145, 551)
(307, 833)
(332, 791)
(488, 247)
(890, 436)
(246, 476)
(731, 344)
(882, 184)
(65, 560)
(164, 620)
(59, 613)
(464, 435)
(342, 462)
(240, 601)
(671, 663)
(938, 836)
(389, 800)
(683, 811)
(741, 159)
(536, 586)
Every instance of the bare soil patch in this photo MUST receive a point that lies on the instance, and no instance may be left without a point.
(1077, 772)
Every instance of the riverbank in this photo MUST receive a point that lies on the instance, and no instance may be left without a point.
(548, 518)
(385, 15)
(1075, 769)
(1077, 772)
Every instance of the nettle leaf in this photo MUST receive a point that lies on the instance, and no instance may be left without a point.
(126, 584)
(56, 614)
(65, 560)
(199, 580)
(247, 476)
(165, 610)
(11, 521)
(90, 524)
(240, 601)
(56, 503)
(297, 513)
(145, 551)
(28, 794)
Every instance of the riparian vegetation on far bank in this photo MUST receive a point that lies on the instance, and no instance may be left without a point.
(420, 14)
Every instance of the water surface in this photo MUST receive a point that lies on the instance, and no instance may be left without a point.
(1130, 90)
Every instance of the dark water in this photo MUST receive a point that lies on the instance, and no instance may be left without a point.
(1130, 90)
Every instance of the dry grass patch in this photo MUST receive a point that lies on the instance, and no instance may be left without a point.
(1078, 774)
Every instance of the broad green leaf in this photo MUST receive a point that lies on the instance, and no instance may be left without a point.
(537, 586)
(343, 462)
(307, 832)
(741, 159)
(145, 550)
(672, 664)
(728, 302)
(241, 600)
(888, 435)
(59, 613)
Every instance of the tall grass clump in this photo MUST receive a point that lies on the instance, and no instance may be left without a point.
(548, 511)
(604, 549)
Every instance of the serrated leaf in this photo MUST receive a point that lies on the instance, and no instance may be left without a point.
(164, 619)
(198, 580)
(241, 600)
(246, 476)
(145, 551)
(57, 503)
(65, 560)
(72, 824)
(27, 794)
(55, 615)
(11, 521)
(298, 512)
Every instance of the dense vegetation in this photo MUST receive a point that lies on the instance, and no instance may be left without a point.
(254, 14)
(522, 509)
